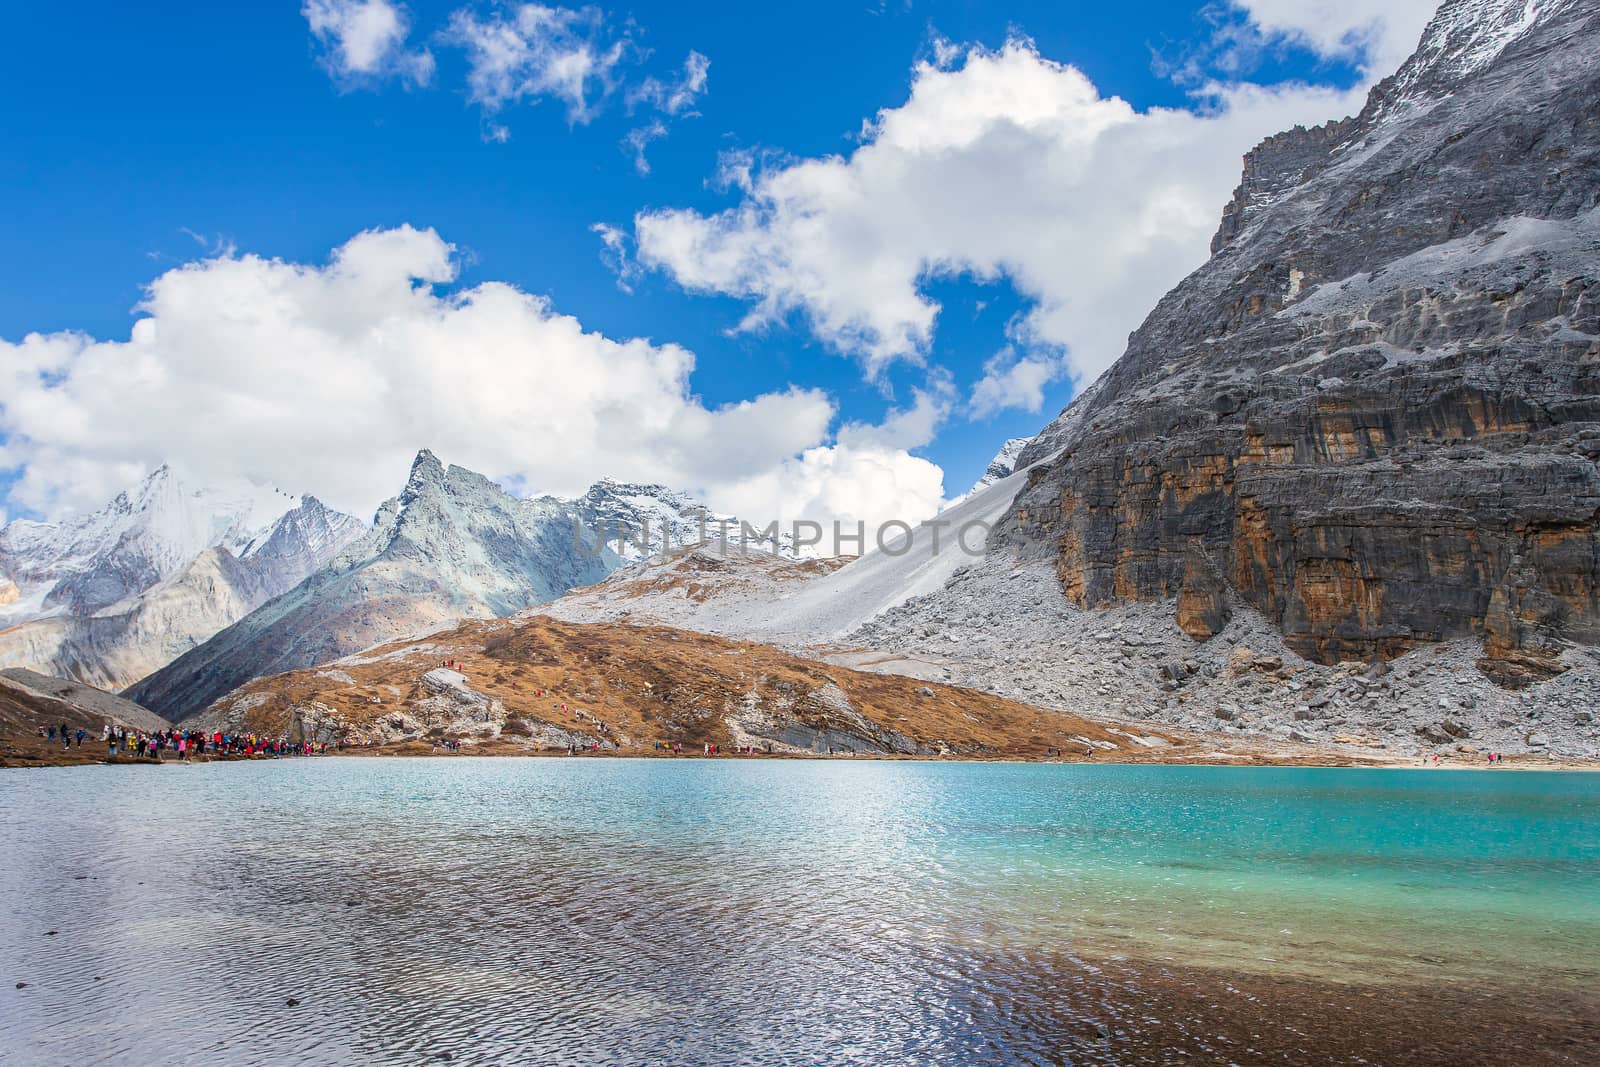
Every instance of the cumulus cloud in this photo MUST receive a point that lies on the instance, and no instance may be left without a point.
(364, 40)
(326, 378)
(532, 51)
(1008, 165)
(840, 483)
(1376, 34)
(906, 428)
(1016, 381)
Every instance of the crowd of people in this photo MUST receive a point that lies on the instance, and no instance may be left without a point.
(184, 744)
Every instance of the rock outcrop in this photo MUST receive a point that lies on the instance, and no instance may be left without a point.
(1374, 414)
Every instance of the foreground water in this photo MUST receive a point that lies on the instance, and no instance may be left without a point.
(658, 911)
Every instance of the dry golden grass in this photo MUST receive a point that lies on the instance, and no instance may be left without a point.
(653, 683)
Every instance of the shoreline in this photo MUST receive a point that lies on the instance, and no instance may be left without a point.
(28, 752)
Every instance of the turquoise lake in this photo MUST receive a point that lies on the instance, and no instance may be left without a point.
(592, 910)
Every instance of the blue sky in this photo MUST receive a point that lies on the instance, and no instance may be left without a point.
(141, 139)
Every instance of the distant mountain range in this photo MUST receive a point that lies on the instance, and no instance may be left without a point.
(112, 597)
(452, 546)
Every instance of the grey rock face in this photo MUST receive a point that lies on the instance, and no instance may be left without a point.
(1376, 409)
(452, 545)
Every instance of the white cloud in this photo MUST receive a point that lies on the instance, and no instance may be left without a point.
(326, 378)
(1009, 165)
(534, 51)
(840, 483)
(676, 97)
(906, 428)
(614, 244)
(364, 40)
(639, 138)
(1013, 381)
(1376, 34)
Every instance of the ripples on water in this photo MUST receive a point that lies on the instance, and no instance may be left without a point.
(608, 911)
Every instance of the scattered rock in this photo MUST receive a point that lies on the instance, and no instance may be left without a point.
(1433, 734)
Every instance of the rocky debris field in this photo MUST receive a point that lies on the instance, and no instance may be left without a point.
(1008, 628)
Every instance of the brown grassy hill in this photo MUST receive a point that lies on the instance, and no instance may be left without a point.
(543, 682)
(28, 699)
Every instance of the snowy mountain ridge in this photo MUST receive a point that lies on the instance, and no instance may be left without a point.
(639, 521)
(452, 545)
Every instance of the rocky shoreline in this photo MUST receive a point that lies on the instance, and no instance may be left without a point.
(30, 752)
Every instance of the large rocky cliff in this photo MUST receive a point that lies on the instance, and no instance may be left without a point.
(1374, 414)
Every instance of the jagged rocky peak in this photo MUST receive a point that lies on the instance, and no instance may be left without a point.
(446, 513)
(1275, 166)
(1464, 37)
(1004, 461)
(451, 545)
(427, 472)
(311, 530)
(145, 535)
(1374, 414)
(1003, 465)
(641, 520)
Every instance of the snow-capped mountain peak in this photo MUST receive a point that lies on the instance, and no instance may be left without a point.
(89, 580)
(1466, 36)
(145, 535)
(1001, 466)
